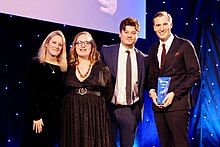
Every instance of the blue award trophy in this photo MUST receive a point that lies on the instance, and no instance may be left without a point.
(162, 88)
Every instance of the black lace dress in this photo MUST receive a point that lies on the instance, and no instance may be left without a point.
(85, 117)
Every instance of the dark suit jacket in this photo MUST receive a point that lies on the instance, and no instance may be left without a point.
(181, 65)
(110, 58)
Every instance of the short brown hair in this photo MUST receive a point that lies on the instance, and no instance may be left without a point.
(129, 21)
(162, 13)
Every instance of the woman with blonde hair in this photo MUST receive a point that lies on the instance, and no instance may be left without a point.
(45, 90)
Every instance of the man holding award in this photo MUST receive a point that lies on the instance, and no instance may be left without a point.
(174, 69)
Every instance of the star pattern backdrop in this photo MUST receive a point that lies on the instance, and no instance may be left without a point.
(196, 20)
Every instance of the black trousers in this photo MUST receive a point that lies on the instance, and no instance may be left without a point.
(125, 120)
(173, 128)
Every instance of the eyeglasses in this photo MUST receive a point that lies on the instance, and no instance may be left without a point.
(80, 43)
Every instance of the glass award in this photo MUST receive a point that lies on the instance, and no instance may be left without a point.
(162, 88)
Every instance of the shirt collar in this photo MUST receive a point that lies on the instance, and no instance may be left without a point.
(169, 41)
(123, 49)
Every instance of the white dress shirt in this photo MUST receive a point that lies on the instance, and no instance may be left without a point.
(160, 49)
(120, 86)
(167, 46)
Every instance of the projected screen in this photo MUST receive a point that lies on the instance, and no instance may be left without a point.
(103, 15)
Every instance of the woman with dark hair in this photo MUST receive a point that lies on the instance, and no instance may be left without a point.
(89, 87)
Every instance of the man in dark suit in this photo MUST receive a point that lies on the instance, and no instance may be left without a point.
(122, 59)
(179, 61)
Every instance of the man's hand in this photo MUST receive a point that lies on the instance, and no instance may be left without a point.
(38, 125)
(153, 95)
(168, 100)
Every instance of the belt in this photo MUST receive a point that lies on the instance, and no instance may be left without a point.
(83, 91)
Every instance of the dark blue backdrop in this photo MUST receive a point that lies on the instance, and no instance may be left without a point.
(196, 20)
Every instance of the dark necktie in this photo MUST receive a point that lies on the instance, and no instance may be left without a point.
(128, 79)
(163, 55)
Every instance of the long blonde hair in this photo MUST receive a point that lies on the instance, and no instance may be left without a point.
(73, 57)
(61, 58)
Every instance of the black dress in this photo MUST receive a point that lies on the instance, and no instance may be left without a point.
(45, 90)
(85, 117)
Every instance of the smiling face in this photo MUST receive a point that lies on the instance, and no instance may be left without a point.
(83, 46)
(162, 27)
(129, 36)
(54, 46)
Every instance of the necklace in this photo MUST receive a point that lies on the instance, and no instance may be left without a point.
(86, 74)
(52, 68)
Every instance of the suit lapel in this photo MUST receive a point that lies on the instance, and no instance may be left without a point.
(139, 64)
(114, 59)
(156, 63)
(170, 55)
